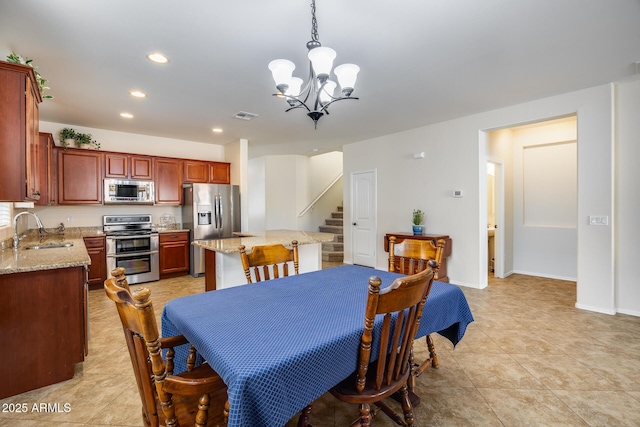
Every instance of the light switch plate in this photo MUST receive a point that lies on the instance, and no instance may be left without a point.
(598, 220)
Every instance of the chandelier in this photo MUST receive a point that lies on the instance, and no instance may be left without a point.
(319, 91)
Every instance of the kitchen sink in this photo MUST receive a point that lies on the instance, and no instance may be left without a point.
(50, 245)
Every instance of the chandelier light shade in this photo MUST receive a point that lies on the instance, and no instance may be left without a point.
(319, 91)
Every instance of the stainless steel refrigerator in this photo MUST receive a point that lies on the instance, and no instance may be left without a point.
(210, 211)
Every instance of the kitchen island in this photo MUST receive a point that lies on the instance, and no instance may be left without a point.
(223, 268)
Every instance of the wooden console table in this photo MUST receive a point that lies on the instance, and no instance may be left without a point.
(442, 272)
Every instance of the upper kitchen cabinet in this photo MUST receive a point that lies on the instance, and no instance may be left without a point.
(168, 180)
(79, 177)
(196, 172)
(219, 173)
(128, 166)
(19, 99)
(47, 170)
(206, 172)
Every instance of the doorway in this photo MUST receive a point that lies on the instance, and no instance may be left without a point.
(495, 218)
(535, 199)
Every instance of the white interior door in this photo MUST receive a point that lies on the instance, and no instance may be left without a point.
(363, 218)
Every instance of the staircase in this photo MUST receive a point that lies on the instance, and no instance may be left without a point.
(333, 251)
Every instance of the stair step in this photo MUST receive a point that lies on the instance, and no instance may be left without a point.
(335, 229)
(333, 246)
(334, 221)
(333, 256)
(337, 214)
(340, 208)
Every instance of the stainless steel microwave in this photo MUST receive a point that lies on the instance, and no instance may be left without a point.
(123, 191)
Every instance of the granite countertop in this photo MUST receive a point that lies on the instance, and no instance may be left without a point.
(258, 238)
(22, 260)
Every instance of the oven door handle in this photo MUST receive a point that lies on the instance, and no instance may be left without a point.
(131, 254)
(140, 236)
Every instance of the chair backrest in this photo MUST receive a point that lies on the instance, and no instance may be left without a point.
(401, 305)
(269, 260)
(141, 333)
(411, 255)
(132, 318)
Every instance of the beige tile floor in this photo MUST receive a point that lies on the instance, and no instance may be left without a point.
(529, 359)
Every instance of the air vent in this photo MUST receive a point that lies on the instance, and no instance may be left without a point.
(243, 115)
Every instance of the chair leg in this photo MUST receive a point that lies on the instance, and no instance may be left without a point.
(365, 415)
(303, 421)
(432, 352)
(406, 406)
(431, 361)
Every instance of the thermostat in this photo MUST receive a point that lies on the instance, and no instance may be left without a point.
(457, 193)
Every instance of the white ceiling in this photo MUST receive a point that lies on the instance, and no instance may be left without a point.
(422, 61)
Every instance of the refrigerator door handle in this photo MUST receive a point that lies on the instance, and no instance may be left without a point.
(216, 204)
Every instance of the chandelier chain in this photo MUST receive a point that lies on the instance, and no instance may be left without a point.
(314, 22)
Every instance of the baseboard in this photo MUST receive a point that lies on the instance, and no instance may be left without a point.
(595, 309)
(548, 276)
(629, 312)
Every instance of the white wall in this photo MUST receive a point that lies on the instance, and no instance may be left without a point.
(455, 159)
(627, 202)
(545, 232)
(281, 187)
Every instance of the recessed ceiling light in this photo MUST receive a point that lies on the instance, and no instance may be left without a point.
(217, 130)
(126, 115)
(137, 94)
(158, 58)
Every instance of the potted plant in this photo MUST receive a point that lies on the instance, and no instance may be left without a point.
(83, 140)
(42, 82)
(69, 136)
(418, 218)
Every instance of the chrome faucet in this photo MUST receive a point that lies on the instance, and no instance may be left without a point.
(16, 238)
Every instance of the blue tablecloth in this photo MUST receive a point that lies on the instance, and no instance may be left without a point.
(281, 344)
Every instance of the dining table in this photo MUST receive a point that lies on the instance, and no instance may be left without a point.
(280, 344)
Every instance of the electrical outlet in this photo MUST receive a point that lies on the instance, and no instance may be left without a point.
(70, 218)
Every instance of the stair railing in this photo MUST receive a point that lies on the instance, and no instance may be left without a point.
(312, 204)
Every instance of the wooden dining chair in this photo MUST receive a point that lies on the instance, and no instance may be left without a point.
(400, 305)
(409, 257)
(200, 394)
(266, 261)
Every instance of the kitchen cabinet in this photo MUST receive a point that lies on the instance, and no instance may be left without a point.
(47, 163)
(219, 173)
(442, 271)
(168, 180)
(207, 172)
(19, 99)
(125, 166)
(96, 248)
(79, 177)
(44, 327)
(174, 254)
(196, 172)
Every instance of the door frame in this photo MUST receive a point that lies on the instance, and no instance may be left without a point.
(498, 237)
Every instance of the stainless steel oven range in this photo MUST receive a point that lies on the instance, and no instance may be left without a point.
(132, 244)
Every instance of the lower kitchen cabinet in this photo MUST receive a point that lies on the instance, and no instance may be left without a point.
(96, 247)
(174, 254)
(44, 328)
